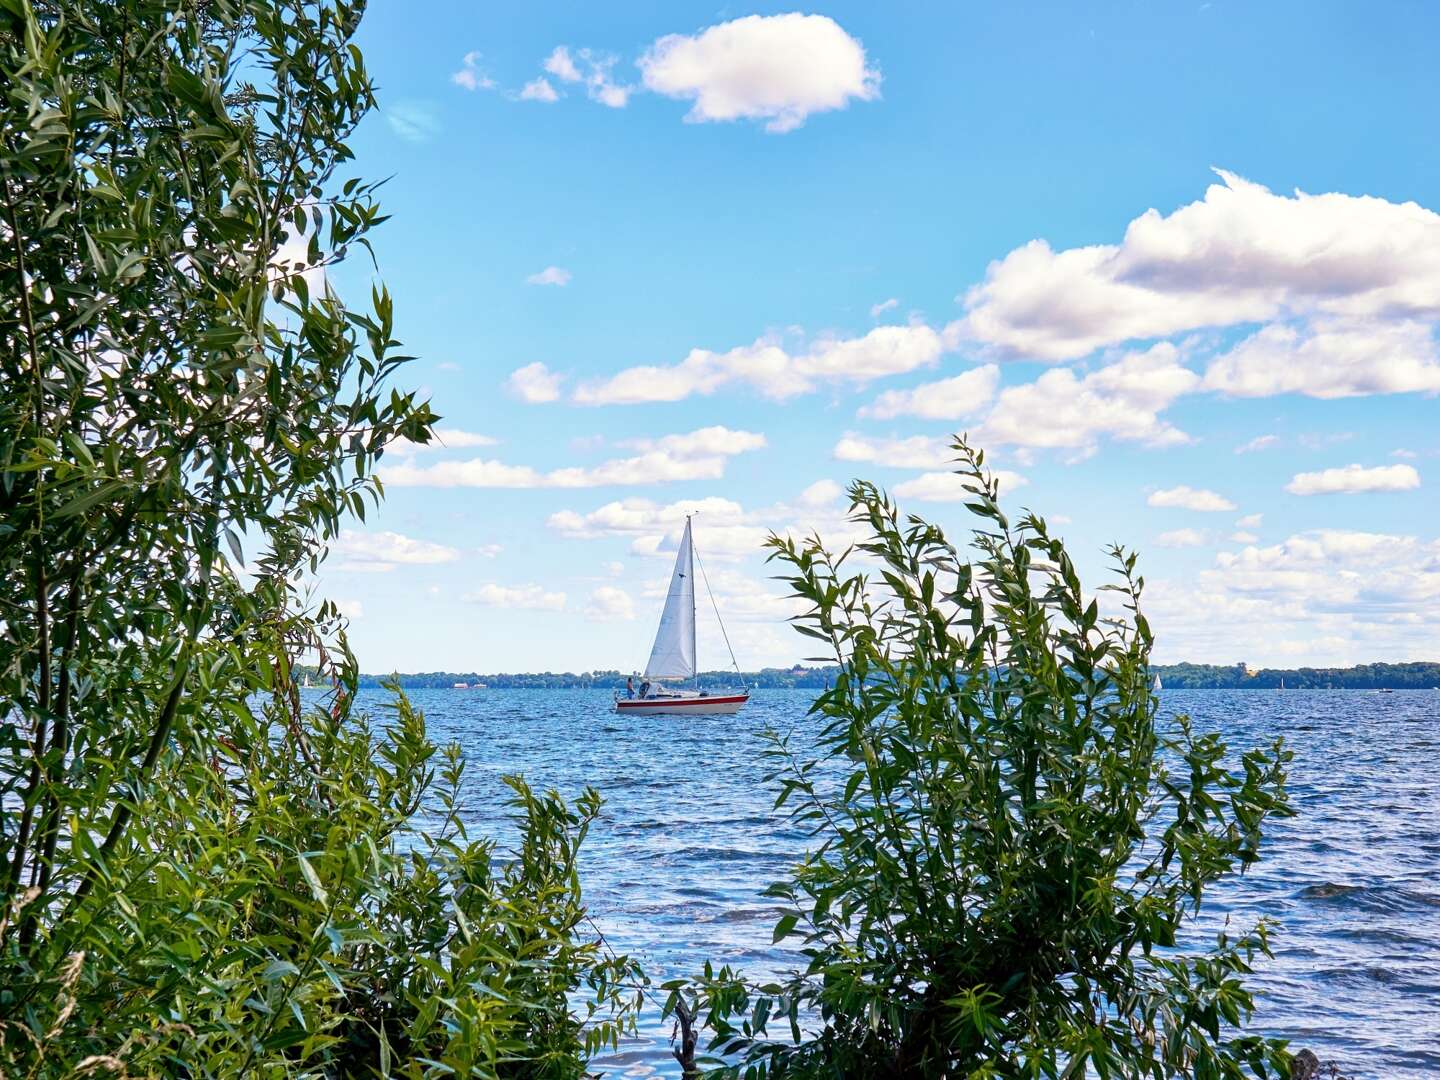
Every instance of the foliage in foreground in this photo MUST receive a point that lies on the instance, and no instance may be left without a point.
(199, 877)
(1007, 846)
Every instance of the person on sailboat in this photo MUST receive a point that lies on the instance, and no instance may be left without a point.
(644, 688)
(629, 686)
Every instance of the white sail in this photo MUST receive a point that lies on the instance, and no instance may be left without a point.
(673, 656)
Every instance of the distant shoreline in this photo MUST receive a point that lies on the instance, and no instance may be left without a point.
(1407, 676)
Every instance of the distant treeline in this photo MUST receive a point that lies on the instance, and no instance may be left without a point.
(768, 679)
(1416, 676)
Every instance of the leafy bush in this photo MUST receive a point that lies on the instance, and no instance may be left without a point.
(201, 877)
(1008, 845)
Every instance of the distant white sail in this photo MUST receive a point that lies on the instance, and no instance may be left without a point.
(673, 656)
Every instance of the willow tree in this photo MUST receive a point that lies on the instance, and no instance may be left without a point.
(1011, 844)
(190, 882)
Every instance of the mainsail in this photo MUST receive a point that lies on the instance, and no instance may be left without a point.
(673, 656)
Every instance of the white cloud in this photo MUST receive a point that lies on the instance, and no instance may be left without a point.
(489, 551)
(1404, 454)
(535, 383)
(1330, 358)
(1242, 537)
(1188, 498)
(539, 90)
(697, 455)
(470, 77)
(821, 493)
(1250, 521)
(517, 597)
(946, 399)
(777, 68)
(725, 529)
(702, 442)
(1242, 254)
(351, 609)
(1329, 596)
(1123, 400)
(596, 75)
(1353, 479)
(413, 121)
(380, 552)
(1260, 442)
(551, 275)
(876, 310)
(1183, 538)
(951, 487)
(443, 439)
(609, 604)
(913, 452)
(561, 66)
(770, 369)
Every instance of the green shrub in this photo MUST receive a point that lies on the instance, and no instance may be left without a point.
(1008, 844)
(199, 877)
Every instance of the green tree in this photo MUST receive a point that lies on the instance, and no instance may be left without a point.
(199, 874)
(1009, 843)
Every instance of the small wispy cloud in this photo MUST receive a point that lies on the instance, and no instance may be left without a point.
(551, 275)
(413, 121)
(1260, 442)
(539, 90)
(876, 310)
(470, 76)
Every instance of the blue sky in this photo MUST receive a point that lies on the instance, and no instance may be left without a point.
(739, 256)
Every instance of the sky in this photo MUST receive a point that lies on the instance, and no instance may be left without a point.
(1174, 266)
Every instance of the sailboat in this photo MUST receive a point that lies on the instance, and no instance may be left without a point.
(673, 655)
(1157, 685)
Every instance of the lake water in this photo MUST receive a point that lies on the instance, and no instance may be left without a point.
(673, 870)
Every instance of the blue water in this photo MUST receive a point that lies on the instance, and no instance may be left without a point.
(673, 870)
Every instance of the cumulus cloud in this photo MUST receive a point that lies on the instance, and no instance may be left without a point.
(470, 77)
(1250, 521)
(535, 383)
(1063, 410)
(821, 493)
(946, 399)
(729, 531)
(1188, 498)
(1331, 358)
(1183, 538)
(443, 439)
(380, 552)
(1327, 596)
(1354, 479)
(1260, 442)
(539, 90)
(951, 487)
(609, 604)
(517, 597)
(767, 367)
(551, 275)
(777, 68)
(696, 455)
(912, 452)
(1242, 254)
